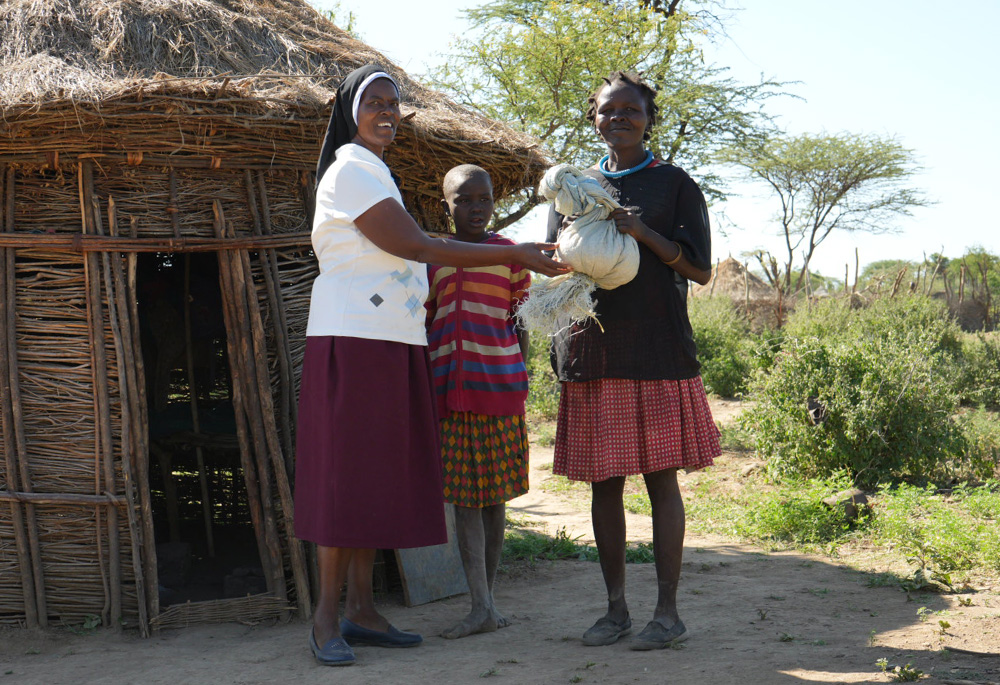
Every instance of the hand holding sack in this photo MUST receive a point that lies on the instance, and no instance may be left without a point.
(600, 255)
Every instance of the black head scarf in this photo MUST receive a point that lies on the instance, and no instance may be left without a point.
(343, 126)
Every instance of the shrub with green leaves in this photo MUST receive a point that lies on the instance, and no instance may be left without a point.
(791, 511)
(982, 434)
(543, 386)
(877, 407)
(893, 316)
(956, 531)
(869, 392)
(978, 377)
(728, 349)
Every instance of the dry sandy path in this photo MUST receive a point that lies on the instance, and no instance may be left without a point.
(754, 618)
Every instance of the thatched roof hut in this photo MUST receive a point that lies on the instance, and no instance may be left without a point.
(732, 279)
(156, 192)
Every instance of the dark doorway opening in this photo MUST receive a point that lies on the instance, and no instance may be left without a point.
(205, 543)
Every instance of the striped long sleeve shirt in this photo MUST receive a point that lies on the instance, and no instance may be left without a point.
(475, 357)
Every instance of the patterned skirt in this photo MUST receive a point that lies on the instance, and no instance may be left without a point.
(485, 458)
(618, 427)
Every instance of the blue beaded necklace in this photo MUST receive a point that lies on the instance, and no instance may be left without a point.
(603, 166)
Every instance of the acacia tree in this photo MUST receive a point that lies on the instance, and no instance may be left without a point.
(828, 183)
(534, 63)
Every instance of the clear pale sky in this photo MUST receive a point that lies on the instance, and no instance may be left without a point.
(925, 72)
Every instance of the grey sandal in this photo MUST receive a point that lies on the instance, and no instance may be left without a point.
(606, 632)
(656, 636)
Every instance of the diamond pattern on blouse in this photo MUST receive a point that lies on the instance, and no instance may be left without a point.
(415, 306)
(376, 299)
(403, 276)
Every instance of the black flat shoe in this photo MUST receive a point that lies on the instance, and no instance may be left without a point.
(394, 637)
(656, 636)
(606, 632)
(335, 652)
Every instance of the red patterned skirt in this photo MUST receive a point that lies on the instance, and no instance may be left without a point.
(619, 427)
(485, 458)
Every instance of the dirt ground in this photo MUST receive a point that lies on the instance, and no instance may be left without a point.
(754, 617)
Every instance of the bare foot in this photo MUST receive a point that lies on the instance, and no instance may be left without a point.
(481, 621)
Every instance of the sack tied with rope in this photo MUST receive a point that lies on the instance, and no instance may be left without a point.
(600, 255)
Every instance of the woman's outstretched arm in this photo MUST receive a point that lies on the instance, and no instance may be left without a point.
(389, 226)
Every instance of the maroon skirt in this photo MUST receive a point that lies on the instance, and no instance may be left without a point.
(368, 457)
(617, 427)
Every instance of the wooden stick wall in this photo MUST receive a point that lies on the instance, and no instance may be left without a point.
(74, 472)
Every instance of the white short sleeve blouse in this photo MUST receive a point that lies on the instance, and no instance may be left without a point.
(361, 291)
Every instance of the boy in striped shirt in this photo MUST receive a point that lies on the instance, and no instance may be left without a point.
(480, 383)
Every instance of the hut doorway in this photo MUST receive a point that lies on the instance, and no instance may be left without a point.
(206, 547)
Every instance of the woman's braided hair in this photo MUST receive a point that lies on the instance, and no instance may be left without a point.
(630, 79)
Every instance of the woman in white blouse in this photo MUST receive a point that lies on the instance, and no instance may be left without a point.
(368, 470)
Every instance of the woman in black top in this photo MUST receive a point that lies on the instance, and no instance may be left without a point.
(632, 399)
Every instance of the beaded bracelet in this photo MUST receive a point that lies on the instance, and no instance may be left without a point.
(680, 254)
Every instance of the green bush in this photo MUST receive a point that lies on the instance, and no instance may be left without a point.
(870, 392)
(797, 514)
(978, 377)
(982, 436)
(729, 351)
(791, 511)
(543, 386)
(953, 532)
(877, 408)
(937, 532)
(833, 318)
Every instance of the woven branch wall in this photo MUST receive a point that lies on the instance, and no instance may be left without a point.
(75, 528)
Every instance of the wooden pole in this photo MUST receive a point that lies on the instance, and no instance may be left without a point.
(141, 453)
(121, 328)
(242, 273)
(281, 333)
(258, 484)
(9, 441)
(104, 439)
(172, 208)
(746, 291)
(206, 502)
(17, 412)
(63, 499)
(272, 276)
(78, 242)
(857, 261)
(930, 286)
(164, 459)
(251, 408)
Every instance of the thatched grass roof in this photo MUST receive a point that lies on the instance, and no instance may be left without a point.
(731, 278)
(127, 75)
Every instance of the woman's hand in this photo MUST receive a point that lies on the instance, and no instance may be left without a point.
(530, 255)
(393, 230)
(629, 223)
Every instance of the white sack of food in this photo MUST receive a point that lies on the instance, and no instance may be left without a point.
(600, 255)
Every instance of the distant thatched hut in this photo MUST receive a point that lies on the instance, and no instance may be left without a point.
(732, 279)
(748, 292)
(156, 193)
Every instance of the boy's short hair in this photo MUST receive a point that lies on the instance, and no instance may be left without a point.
(630, 79)
(457, 175)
